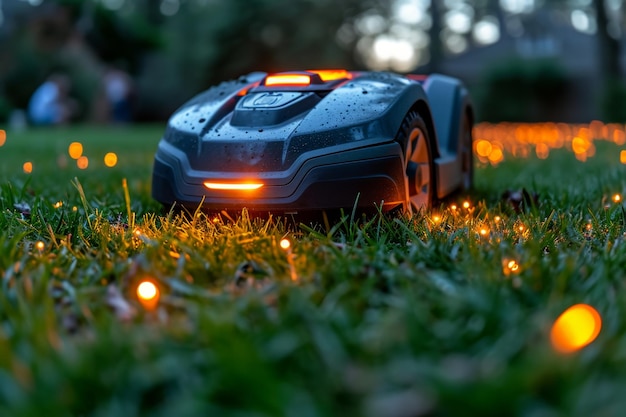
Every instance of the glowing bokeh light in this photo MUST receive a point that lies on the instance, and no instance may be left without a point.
(483, 148)
(486, 31)
(285, 244)
(510, 266)
(82, 162)
(3, 137)
(617, 198)
(542, 150)
(148, 294)
(58, 204)
(27, 167)
(40, 245)
(75, 150)
(575, 328)
(110, 159)
(493, 142)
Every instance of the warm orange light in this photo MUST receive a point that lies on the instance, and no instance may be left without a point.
(453, 207)
(466, 204)
(148, 294)
(580, 145)
(3, 137)
(510, 266)
(27, 167)
(542, 150)
(82, 162)
(575, 328)
(110, 159)
(436, 218)
(496, 156)
(40, 245)
(332, 74)
(58, 204)
(622, 157)
(236, 186)
(484, 231)
(287, 80)
(285, 244)
(497, 219)
(483, 148)
(617, 198)
(75, 150)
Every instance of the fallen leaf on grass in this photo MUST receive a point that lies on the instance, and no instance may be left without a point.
(520, 200)
(22, 208)
(120, 306)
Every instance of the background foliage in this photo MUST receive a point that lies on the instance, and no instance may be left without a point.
(176, 48)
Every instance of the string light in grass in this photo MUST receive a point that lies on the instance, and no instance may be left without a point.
(74, 208)
(497, 219)
(40, 245)
(27, 167)
(484, 232)
(75, 150)
(493, 141)
(58, 204)
(148, 294)
(617, 198)
(436, 219)
(82, 162)
(285, 244)
(110, 159)
(483, 148)
(542, 151)
(575, 328)
(453, 207)
(3, 137)
(466, 204)
(510, 266)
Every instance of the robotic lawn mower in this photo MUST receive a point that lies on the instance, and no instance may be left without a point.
(318, 140)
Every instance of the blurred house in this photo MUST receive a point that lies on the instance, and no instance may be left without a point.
(543, 36)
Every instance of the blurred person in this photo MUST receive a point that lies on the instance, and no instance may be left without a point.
(51, 104)
(118, 89)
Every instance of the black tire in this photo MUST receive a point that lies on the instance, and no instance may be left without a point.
(419, 167)
(466, 154)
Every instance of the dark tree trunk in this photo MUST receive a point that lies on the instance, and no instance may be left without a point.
(436, 43)
(608, 47)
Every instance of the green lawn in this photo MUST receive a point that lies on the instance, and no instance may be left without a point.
(392, 318)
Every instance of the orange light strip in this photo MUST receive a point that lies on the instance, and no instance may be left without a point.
(332, 74)
(237, 186)
(288, 80)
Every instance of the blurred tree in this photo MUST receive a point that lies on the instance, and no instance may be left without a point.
(74, 37)
(210, 41)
